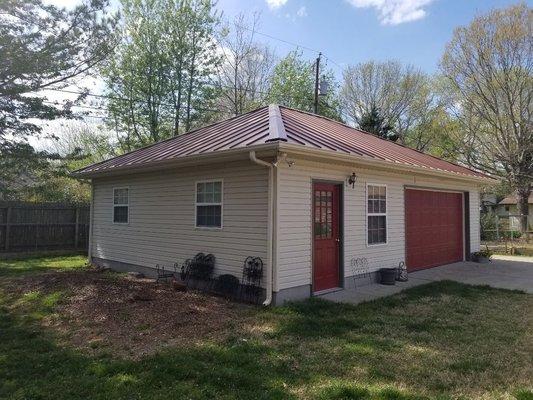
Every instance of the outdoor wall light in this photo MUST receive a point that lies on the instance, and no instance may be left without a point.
(352, 179)
(282, 157)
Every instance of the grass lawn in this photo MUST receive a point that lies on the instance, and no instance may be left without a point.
(441, 341)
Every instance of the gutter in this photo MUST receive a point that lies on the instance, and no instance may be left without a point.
(270, 225)
(371, 162)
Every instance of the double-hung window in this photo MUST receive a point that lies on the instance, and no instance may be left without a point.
(121, 205)
(209, 204)
(376, 214)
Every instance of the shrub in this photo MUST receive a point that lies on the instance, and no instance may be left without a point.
(488, 223)
(511, 234)
(487, 253)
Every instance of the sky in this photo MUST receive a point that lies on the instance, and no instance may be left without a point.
(352, 31)
(347, 32)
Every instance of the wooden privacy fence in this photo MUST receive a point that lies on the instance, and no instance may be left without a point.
(30, 227)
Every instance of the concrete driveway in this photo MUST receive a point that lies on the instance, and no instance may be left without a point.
(505, 272)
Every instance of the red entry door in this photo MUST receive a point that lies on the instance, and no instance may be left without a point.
(326, 238)
(433, 228)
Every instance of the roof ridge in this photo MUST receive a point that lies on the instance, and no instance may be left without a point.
(385, 140)
(276, 126)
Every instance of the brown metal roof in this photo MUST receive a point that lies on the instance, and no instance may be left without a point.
(301, 128)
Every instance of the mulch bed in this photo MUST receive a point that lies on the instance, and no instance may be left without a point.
(126, 316)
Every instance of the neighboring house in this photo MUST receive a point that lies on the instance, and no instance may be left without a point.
(508, 208)
(278, 183)
(488, 202)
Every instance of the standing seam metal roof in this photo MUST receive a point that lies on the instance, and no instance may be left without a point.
(301, 128)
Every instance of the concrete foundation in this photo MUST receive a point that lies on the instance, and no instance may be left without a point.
(291, 294)
(125, 267)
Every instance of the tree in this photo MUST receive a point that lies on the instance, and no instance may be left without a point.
(489, 67)
(374, 123)
(244, 75)
(42, 46)
(77, 144)
(90, 142)
(293, 85)
(157, 79)
(392, 89)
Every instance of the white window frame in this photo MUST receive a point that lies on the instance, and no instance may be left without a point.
(385, 214)
(120, 205)
(221, 204)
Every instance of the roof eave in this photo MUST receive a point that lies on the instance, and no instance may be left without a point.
(195, 159)
(330, 154)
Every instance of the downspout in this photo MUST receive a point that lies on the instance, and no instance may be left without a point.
(91, 214)
(270, 225)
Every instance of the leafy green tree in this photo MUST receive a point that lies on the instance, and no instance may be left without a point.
(42, 46)
(157, 77)
(489, 66)
(293, 85)
(74, 145)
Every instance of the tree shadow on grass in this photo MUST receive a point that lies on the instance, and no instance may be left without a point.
(442, 337)
(34, 366)
(312, 352)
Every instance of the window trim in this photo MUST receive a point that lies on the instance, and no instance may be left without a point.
(385, 214)
(221, 204)
(120, 205)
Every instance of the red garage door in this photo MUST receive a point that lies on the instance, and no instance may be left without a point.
(433, 228)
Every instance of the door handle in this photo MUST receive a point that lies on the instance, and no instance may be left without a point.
(337, 240)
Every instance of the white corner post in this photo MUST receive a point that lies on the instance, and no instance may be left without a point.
(91, 217)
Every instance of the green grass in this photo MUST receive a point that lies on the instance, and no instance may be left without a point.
(13, 267)
(443, 340)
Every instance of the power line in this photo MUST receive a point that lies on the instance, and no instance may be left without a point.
(119, 98)
(103, 96)
(298, 45)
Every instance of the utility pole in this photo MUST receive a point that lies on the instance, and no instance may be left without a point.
(317, 71)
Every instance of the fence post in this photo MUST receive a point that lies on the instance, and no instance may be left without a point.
(77, 230)
(8, 228)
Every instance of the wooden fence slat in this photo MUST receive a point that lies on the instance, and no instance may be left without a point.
(8, 228)
(43, 226)
(77, 229)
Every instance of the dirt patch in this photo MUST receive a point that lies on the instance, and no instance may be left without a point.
(128, 317)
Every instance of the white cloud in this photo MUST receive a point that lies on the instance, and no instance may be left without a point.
(394, 12)
(275, 4)
(302, 12)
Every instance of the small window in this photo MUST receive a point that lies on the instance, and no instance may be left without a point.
(376, 214)
(120, 205)
(209, 204)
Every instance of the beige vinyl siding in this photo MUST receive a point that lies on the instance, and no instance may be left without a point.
(294, 217)
(475, 232)
(161, 227)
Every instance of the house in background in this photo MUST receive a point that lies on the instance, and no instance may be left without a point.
(508, 208)
(488, 202)
(306, 194)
